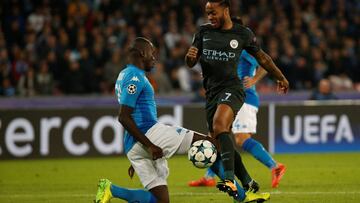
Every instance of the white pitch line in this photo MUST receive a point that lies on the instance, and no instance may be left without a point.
(316, 193)
(181, 194)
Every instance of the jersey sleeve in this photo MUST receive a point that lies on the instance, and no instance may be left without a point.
(197, 40)
(130, 89)
(251, 44)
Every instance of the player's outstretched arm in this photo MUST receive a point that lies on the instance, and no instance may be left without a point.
(128, 122)
(268, 64)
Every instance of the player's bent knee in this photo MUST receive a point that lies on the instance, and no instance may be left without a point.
(220, 128)
(240, 138)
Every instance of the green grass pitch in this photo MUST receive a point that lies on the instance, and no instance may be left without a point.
(309, 178)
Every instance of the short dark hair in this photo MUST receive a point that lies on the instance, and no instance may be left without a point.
(138, 45)
(225, 3)
(140, 41)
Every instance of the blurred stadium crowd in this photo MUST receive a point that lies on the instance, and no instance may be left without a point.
(78, 46)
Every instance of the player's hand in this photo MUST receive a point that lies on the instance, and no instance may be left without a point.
(282, 86)
(248, 82)
(192, 53)
(156, 152)
(131, 171)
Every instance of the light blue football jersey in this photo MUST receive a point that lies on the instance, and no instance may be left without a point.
(247, 67)
(133, 89)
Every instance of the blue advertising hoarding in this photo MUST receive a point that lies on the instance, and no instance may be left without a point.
(315, 128)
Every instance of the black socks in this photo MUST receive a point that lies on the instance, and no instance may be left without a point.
(227, 154)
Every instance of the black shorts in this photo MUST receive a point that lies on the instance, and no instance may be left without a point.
(231, 96)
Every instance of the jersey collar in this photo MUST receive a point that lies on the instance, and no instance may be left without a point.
(137, 68)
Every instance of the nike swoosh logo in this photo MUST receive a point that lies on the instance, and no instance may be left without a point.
(206, 39)
(223, 154)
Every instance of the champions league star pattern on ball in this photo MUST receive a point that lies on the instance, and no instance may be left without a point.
(202, 154)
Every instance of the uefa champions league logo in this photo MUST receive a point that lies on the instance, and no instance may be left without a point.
(131, 89)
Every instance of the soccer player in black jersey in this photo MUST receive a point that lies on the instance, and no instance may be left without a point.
(218, 46)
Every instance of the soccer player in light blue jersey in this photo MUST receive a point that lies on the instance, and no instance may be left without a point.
(148, 143)
(244, 125)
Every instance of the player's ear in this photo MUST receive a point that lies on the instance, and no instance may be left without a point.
(226, 11)
(142, 53)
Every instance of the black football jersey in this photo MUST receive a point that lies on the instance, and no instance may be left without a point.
(220, 51)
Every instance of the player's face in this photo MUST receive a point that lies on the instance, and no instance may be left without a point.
(215, 14)
(149, 57)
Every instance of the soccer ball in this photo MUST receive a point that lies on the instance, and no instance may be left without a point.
(202, 153)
